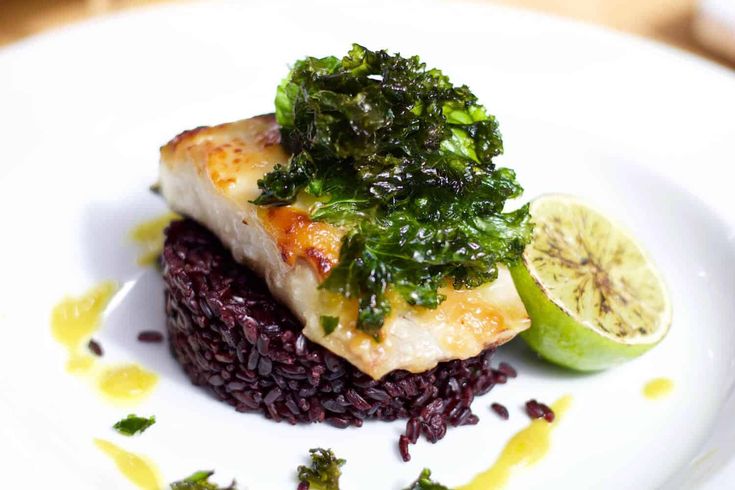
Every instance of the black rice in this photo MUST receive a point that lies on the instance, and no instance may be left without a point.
(403, 448)
(500, 410)
(537, 410)
(150, 336)
(507, 369)
(95, 348)
(231, 337)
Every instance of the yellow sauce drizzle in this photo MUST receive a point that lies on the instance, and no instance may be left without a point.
(149, 236)
(137, 469)
(74, 320)
(80, 363)
(127, 383)
(526, 448)
(658, 388)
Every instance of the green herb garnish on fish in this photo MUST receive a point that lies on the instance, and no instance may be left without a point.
(329, 323)
(403, 160)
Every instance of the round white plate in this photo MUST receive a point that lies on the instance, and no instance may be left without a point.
(642, 131)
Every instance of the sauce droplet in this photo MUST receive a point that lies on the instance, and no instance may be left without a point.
(79, 363)
(658, 388)
(525, 448)
(127, 383)
(137, 469)
(74, 320)
(149, 236)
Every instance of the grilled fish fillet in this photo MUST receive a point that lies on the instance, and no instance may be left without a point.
(210, 174)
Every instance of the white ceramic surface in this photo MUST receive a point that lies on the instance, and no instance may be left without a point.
(643, 131)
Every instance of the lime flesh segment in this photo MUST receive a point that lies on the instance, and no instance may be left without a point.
(594, 297)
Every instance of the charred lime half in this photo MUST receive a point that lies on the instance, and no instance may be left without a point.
(594, 297)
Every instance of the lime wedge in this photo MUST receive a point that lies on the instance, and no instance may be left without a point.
(594, 297)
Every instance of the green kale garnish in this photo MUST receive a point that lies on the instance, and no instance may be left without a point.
(424, 482)
(200, 481)
(403, 160)
(132, 424)
(324, 472)
(329, 323)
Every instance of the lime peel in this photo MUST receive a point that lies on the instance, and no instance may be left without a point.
(594, 297)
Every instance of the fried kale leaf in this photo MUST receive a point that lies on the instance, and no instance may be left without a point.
(132, 424)
(200, 481)
(424, 482)
(403, 160)
(324, 472)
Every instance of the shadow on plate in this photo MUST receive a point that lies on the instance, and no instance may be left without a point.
(527, 362)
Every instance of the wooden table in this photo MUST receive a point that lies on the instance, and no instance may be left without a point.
(668, 21)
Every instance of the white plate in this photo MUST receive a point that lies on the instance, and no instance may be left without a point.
(643, 131)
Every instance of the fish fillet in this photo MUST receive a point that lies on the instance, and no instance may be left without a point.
(210, 174)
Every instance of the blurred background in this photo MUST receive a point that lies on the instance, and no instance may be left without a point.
(703, 27)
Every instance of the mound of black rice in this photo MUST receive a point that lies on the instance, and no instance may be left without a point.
(234, 339)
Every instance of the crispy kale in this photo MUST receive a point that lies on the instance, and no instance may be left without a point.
(132, 424)
(324, 472)
(329, 323)
(200, 481)
(424, 482)
(403, 160)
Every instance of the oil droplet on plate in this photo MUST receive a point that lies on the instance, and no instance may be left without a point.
(141, 472)
(127, 383)
(80, 363)
(525, 448)
(74, 320)
(658, 388)
(149, 236)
